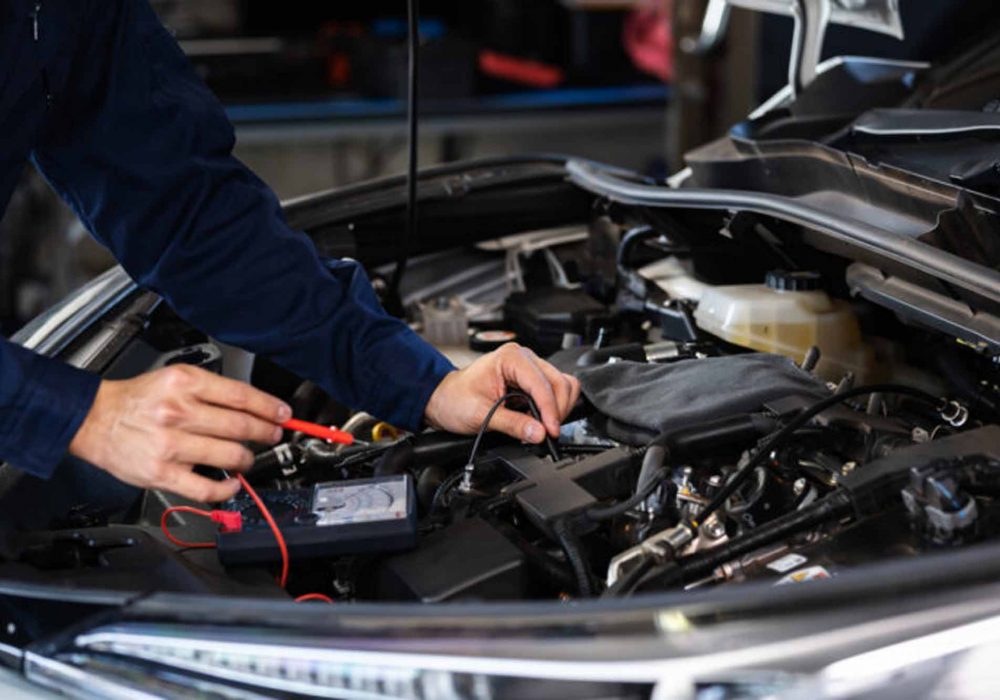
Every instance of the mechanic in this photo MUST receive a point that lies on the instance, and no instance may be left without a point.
(102, 100)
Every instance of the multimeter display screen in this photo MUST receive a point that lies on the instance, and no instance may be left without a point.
(345, 502)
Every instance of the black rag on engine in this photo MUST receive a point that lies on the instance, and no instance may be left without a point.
(641, 400)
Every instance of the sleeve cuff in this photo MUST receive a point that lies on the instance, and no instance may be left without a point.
(414, 419)
(53, 403)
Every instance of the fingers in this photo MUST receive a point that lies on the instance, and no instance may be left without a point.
(518, 425)
(213, 421)
(554, 393)
(209, 451)
(228, 393)
(184, 482)
(565, 387)
(518, 367)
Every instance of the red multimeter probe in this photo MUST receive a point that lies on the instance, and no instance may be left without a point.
(318, 431)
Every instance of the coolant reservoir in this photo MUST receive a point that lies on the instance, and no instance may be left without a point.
(787, 316)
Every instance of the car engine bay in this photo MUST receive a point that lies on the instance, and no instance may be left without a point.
(789, 360)
(715, 443)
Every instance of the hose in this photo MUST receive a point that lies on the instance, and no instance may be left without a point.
(964, 381)
(398, 459)
(782, 435)
(269, 464)
(549, 568)
(695, 439)
(630, 580)
(571, 546)
(445, 486)
(652, 464)
(599, 514)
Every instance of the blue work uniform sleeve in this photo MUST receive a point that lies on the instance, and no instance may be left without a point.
(141, 150)
(42, 404)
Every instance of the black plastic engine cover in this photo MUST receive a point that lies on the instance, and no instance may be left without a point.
(469, 560)
(551, 490)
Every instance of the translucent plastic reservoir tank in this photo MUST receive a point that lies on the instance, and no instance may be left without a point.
(787, 316)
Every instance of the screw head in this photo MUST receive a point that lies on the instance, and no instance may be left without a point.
(714, 529)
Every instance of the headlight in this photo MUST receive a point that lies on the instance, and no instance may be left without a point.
(159, 661)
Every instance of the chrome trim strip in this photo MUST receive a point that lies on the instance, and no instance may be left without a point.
(70, 680)
(15, 654)
(49, 333)
(123, 640)
(903, 131)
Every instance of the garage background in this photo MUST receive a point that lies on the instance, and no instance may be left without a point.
(316, 92)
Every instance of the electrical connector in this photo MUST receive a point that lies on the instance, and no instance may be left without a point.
(230, 520)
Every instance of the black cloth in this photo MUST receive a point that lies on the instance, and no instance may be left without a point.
(643, 399)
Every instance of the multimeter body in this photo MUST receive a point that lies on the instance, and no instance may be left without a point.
(357, 516)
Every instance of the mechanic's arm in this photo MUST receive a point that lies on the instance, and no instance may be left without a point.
(142, 151)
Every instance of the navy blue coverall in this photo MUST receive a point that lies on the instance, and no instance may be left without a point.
(98, 95)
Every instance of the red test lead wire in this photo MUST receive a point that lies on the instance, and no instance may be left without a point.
(283, 578)
(232, 521)
(229, 520)
(318, 431)
(282, 547)
(314, 596)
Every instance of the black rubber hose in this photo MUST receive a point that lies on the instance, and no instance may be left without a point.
(833, 507)
(398, 459)
(549, 568)
(440, 448)
(571, 546)
(608, 512)
(267, 465)
(652, 464)
(779, 437)
(964, 381)
(630, 580)
(695, 439)
(445, 486)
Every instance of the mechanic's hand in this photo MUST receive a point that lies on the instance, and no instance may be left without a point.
(464, 397)
(150, 431)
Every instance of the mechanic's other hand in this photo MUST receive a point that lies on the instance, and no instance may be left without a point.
(150, 431)
(464, 397)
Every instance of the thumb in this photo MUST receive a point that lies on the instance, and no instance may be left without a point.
(518, 425)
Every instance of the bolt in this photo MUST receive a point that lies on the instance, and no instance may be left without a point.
(11, 628)
(919, 435)
(686, 477)
(714, 529)
(799, 487)
(848, 467)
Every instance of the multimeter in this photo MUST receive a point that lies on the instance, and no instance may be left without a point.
(334, 518)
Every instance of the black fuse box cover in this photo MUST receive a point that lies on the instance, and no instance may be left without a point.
(541, 317)
(469, 560)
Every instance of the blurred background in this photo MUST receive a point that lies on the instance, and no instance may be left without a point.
(316, 92)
